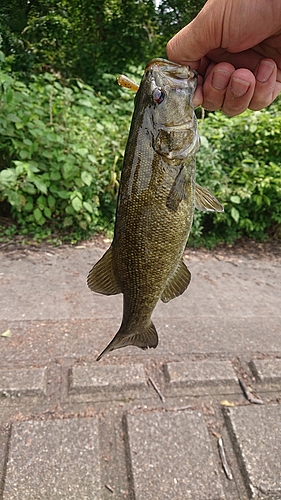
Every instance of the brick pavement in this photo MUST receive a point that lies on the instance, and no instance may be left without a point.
(139, 425)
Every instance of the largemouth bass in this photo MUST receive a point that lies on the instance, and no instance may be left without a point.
(156, 203)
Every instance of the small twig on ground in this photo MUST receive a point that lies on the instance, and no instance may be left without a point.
(181, 408)
(156, 388)
(6, 244)
(225, 465)
(109, 488)
(248, 394)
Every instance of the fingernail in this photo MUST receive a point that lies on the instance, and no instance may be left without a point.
(264, 71)
(220, 79)
(239, 87)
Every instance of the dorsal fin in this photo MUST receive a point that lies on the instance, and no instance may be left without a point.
(101, 278)
(177, 284)
(205, 201)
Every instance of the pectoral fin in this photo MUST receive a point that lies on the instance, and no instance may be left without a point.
(177, 284)
(205, 201)
(101, 278)
(178, 191)
(146, 338)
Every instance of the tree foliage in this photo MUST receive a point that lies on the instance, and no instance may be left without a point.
(87, 38)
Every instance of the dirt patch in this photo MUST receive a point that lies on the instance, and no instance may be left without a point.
(252, 249)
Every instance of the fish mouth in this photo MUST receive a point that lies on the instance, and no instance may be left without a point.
(171, 69)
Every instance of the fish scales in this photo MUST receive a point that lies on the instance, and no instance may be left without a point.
(155, 205)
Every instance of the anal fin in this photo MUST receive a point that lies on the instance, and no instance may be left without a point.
(205, 201)
(177, 284)
(146, 338)
(101, 278)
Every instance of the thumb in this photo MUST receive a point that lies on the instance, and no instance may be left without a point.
(200, 36)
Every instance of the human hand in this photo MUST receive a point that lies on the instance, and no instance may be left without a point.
(236, 48)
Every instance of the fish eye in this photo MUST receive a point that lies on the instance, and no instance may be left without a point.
(158, 95)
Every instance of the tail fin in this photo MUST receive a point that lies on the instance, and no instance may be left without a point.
(147, 338)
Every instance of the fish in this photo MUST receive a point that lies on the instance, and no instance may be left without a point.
(157, 197)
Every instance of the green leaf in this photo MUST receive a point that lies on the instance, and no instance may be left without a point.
(68, 221)
(14, 199)
(204, 141)
(99, 127)
(77, 204)
(235, 214)
(88, 206)
(19, 125)
(28, 187)
(235, 199)
(27, 142)
(87, 217)
(85, 102)
(41, 202)
(47, 154)
(47, 212)
(8, 176)
(38, 216)
(67, 170)
(28, 206)
(76, 193)
(39, 124)
(70, 210)
(24, 154)
(82, 151)
(258, 199)
(55, 175)
(21, 167)
(92, 158)
(86, 178)
(40, 185)
(9, 96)
(51, 201)
(63, 194)
(12, 117)
(33, 166)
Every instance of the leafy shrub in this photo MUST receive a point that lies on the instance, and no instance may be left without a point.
(60, 154)
(240, 161)
(61, 150)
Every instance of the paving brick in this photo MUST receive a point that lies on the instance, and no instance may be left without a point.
(51, 460)
(256, 434)
(170, 457)
(105, 380)
(267, 370)
(23, 382)
(216, 375)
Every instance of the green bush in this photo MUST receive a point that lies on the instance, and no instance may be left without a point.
(60, 154)
(61, 150)
(240, 161)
